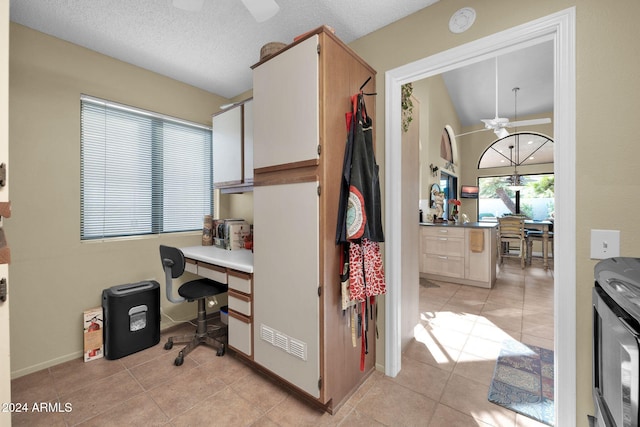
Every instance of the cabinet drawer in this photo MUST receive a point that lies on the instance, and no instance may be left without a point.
(435, 231)
(190, 266)
(444, 245)
(212, 272)
(239, 302)
(444, 265)
(240, 333)
(240, 281)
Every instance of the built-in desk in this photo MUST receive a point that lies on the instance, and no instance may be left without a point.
(240, 260)
(235, 268)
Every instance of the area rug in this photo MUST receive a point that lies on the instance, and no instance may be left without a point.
(523, 381)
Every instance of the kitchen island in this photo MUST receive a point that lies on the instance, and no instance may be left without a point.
(459, 253)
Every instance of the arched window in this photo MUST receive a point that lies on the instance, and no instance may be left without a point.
(446, 144)
(520, 148)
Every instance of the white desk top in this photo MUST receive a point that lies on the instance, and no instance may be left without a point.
(240, 259)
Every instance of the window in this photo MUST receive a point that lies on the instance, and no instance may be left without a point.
(536, 200)
(141, 172)
(449, 186)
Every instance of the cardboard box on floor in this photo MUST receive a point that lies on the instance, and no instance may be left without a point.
(93, 340)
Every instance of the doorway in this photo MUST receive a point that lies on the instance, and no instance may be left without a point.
(559, 27)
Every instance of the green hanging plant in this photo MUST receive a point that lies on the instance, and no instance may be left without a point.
(407, 106)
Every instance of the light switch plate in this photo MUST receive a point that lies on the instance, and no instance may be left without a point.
(605, 244)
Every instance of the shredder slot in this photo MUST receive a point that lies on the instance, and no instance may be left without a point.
(137, 318)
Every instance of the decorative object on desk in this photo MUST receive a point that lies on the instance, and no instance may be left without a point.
(523, 381)
(465, 219)
(207, 231)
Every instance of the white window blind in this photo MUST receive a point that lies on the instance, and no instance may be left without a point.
(141, 172)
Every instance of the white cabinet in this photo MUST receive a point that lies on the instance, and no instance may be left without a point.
(233, 146)
(240, 304)
(443, 251)
(247, 141)
(458, 254)
(286, 274)
(286, 107)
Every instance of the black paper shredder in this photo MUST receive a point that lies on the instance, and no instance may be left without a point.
(131, 318)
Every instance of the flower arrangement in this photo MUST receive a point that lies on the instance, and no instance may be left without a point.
(454, 206)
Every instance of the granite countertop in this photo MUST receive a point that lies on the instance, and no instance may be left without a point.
(482, 224)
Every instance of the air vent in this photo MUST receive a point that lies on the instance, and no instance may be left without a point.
(267, 334)
(284, 342)
(298, 349)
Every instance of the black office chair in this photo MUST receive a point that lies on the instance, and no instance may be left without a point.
(173, 263)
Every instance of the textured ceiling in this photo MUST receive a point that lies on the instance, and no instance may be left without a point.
(214, 48)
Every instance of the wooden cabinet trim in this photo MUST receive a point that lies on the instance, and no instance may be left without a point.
(211, 267)
(239, 295)
(240, 274)
(241, 317)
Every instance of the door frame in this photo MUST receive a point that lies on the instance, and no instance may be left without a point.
(560, 28)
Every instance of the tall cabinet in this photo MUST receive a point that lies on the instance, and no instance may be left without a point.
(301, 335)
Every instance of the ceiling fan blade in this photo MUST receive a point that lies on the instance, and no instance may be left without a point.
(473, 131)
(261, 9)
(531, 122)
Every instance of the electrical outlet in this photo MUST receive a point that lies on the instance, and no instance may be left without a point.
(605, 244)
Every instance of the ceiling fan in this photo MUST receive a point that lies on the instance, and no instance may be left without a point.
(261, 10)
(499, 125)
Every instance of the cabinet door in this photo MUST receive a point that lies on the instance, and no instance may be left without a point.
(285, 91)
(285, 282)
(227, 147)
(479, 262)
(248, 141)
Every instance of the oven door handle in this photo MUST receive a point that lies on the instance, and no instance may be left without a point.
(628, 327)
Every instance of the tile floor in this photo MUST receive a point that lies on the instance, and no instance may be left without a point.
(444, 380)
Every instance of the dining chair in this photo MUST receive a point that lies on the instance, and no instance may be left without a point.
(538, 236)
(511, 231)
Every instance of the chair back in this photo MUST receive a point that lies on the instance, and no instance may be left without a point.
(172, 258)
(173, 264)
(511, 227)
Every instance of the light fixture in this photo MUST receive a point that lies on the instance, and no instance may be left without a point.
(501, 133)
(517, 182)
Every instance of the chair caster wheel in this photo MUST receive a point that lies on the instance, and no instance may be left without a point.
(221, 351)
(179, 361)
(168, 345)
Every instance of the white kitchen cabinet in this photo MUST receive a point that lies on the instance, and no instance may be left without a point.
(447, 253)
(233, 146)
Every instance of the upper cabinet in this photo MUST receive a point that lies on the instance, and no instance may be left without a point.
(233, 148)
(285, 90)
